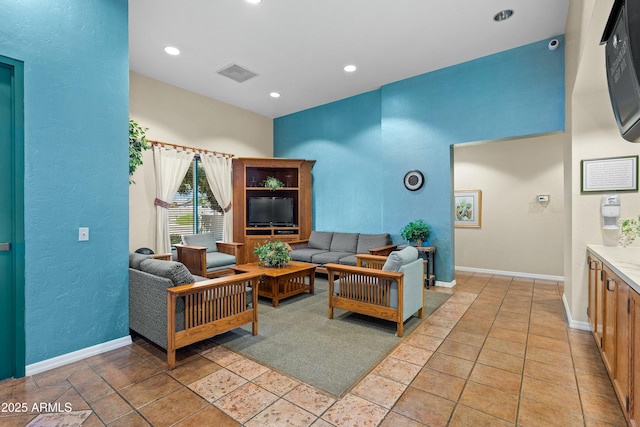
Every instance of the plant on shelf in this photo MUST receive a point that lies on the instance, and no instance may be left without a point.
(272, 183)
(273, 253)
(416, 231)
(629, 230)
(137, 143)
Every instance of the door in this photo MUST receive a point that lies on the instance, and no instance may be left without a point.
(11, 220)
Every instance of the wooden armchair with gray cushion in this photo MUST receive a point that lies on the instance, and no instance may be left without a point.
(205, 257)
(389, 288)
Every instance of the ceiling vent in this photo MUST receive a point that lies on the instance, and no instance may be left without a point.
(237, 73)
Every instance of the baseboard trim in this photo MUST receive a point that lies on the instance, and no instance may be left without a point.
(65, 359)
(511, 273)
(446, 284)
(574, 324)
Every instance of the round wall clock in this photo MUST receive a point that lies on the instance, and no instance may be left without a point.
(413, 180)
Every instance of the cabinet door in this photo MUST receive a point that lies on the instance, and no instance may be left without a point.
(609, 321)
(593, 271)
(599, 303)
(634, 331)
(621, 374)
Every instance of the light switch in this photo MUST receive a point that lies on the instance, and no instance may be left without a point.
(83, 234)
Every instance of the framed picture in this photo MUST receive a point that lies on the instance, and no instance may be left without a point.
(468, 208)
(609, 174)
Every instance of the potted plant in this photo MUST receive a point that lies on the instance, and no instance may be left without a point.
(273, 253)
(137, 143)
(416, 231)
(629, 230)
(272, 183)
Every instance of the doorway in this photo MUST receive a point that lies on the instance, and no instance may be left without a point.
(11, 219)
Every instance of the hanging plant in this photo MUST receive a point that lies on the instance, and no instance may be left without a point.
(137, 144)
(272, 183)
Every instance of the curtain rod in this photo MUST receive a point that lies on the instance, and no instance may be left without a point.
(195, 150)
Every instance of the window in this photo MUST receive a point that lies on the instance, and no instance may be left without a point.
(194, 208)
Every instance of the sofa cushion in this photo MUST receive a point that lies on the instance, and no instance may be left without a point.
(366, 242)
(320, 240)
(305, 255)
(175, 271)
(348, 260)
(397, 259)
(219, 259)
(344, 242)
(204, 239)
(135, 259)
(327, 257)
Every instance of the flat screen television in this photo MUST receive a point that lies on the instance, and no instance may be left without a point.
(270, 211)
(622, 51)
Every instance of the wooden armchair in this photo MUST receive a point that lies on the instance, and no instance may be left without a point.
(374, 289)
(205, 257)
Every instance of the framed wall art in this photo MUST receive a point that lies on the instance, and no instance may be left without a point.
(468, 208)
(609, 174)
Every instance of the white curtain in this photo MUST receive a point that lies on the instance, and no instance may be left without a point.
(218, 169)
(171, 166)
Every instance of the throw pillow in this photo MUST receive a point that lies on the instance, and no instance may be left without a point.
(135, 259)
(397, 259)
(175, 271)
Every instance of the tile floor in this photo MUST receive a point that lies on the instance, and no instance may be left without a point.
(497, 353)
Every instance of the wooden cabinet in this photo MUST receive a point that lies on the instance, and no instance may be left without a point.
(248, 175)
(617, 334)
(609, 322)
(634, 350)
(595, 310)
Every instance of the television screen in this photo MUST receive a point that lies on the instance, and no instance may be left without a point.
(270, 211)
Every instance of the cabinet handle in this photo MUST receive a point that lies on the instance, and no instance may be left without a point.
(609, 289)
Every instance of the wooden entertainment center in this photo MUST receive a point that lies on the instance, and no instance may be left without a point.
(248, 174)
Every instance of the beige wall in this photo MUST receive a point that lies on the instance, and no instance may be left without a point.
(181, 117)
(518, 234)
(594, 134)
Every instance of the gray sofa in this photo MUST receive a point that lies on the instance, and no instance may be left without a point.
(324, 247)
(172, 308)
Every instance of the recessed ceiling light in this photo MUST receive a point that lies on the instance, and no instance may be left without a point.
(172, 50)
(274, 95)
(254, 1)
(350, 68)
(502, 15)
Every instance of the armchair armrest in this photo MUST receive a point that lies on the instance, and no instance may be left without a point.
(232, 248)
(299, 244)
(370, 261)
(194, 258)
(210, 308)
(383, 250)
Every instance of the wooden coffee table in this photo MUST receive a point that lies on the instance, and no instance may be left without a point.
(282, 282)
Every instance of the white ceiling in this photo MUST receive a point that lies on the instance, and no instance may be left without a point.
(299, 47)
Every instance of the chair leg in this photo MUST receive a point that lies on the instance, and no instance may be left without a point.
(400, 328)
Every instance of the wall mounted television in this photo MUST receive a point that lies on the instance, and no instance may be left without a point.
(622, 51)
(270, 212)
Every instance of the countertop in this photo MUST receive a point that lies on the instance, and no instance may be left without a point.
(625, 262)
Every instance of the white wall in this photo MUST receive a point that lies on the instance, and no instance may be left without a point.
(180, 117)
(518, 234)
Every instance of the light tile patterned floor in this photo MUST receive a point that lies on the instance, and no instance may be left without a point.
(497, 353)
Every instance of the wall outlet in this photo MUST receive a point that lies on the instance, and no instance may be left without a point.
(543, 198)
(83, 234)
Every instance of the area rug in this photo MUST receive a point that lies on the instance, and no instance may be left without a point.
(299, 339)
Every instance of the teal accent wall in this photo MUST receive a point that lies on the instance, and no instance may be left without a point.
(364, 145)
(76, 108)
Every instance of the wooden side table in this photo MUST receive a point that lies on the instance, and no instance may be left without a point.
(428, 254)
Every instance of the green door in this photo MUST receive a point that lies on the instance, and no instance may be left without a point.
(11, 228)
